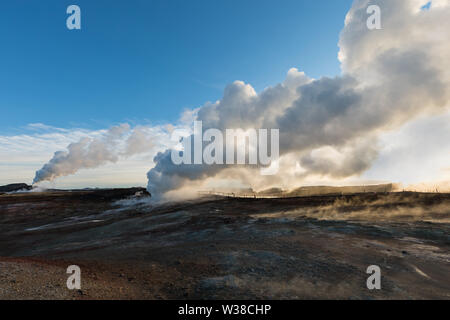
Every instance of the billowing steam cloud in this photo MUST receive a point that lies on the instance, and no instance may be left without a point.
(329, 126)
(119, 141)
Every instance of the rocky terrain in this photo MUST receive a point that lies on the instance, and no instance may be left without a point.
(312, 247)
(14, 187)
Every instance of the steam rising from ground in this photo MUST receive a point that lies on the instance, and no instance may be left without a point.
(118, 141)
(399, 207)
(329, 127)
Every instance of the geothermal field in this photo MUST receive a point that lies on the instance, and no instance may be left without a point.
(219, 247)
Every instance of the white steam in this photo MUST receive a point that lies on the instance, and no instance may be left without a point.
(117, 142)
(330, 126)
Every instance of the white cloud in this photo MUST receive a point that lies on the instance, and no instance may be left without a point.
(387, 115)
(22, 155)
(389, 77)
(417, 152)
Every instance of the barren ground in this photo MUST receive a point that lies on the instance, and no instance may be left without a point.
(223, 248)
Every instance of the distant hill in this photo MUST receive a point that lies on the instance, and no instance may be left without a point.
(305, 191)
(15, 187)
(323, 190)
(271, 192)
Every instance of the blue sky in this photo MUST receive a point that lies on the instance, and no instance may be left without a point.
(143, 63)
(146, 61)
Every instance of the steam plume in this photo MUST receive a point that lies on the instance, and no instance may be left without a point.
(330, 126)
(119, 141)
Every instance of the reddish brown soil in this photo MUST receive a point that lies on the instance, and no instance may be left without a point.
(300, 248)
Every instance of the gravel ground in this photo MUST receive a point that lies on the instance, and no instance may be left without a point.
(224, 248)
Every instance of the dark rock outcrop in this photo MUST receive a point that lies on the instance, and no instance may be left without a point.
(15, 187)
